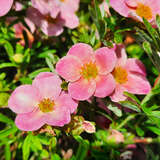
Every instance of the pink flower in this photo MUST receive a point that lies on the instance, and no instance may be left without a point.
(51, 16)
(130, 76)
(41, 103)
(88, 72)
(5, 6)
(137, 8)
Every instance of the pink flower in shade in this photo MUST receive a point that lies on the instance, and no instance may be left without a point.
(66, 9)
(51, 16)
(130, 76)
(137, 9)
(41, 103)
(5, 6)
(88, 72)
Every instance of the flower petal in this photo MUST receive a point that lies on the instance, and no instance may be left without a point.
(30, 121)
(105, 60)
(118, 94)
(69, 68)
(59, 117)
(83, 51)
(105, 85)
(65, 100)
(137, 84)
(70, 19)
(5, 6)
(120, 7)
(47, 7)
(82, 89)
(23, 99)
(136, 66)
(131, 3)
(48, 86)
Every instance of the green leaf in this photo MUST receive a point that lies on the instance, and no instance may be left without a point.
(7, 152)
(26, 147)
(55, 157)
(154, 129)
(7, 132)
(5, 119)
(140, 131)
(4, 65)
(153, 33)
(130, 105)
(158, 22)
(115, 110)
(36, 143)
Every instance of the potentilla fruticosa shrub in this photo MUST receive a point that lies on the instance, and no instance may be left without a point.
(79, 79)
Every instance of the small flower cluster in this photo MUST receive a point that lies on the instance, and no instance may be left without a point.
(101, 73)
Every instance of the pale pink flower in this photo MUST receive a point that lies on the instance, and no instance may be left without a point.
(51, 16)
(137, 9)
(41, 103)
(5, 6)
(116, 136)
(87, 71)
(130, 76)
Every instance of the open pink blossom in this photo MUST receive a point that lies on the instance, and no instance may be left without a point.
(48, 25)
(130, 76)
(5, 6)
(87, 71)
(51, 16)
(41, 103)
(66, 9)
(137, 9)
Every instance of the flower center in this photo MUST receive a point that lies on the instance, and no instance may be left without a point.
(120, 74)
(46, 105)
(144, 11)
(89, 70)
(49, 19)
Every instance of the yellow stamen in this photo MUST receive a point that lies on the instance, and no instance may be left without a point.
(144, 11)
(46, 105)
(120, 74)
(89, 71)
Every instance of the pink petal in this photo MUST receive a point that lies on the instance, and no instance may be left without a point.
(137, 84)
(47, 7)
(48, 86)
(5, 6)
(44, 75)
(118, 94)
(65, 100)
(30, 121)
(105, 60)
(70, 19)
(120, 7)
(69, 68)
(89, 127)
(23, 99)
(70, 5)
(121, 55)
(82, 89)
(105, 85)
(83, 51)
(52, 29)
(135, 65)
(131, 3)
(59, 117)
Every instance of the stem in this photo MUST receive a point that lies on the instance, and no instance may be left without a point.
(126, 120)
